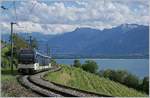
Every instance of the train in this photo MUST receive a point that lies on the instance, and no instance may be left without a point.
(31, 61)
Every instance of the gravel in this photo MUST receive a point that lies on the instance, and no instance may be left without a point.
(14, 89)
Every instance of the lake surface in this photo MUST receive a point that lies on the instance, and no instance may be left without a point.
(139, 67)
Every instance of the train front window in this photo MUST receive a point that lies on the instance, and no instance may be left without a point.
(26, 57)
(26, 51)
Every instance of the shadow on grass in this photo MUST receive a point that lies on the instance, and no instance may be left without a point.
(8, 72)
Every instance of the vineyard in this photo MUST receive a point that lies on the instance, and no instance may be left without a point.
(77, 78)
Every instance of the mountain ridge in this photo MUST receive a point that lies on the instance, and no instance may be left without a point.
(131, 41)
(122, 41)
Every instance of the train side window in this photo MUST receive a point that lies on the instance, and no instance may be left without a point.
(35, 58)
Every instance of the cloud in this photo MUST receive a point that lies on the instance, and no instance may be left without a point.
(36, 27)
(58, 17)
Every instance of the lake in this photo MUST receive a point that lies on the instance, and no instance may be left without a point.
(139, 67)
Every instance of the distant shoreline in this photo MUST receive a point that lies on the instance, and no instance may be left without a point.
(99, 58)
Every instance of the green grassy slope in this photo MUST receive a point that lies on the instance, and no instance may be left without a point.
(76, 77)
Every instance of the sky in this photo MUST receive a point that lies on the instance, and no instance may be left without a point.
(59, 16)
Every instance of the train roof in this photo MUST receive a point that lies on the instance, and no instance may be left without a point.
(38, 53)
(26, 49)
(34, 50)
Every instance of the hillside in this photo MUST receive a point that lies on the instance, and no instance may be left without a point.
(78, 78)
(19, 42)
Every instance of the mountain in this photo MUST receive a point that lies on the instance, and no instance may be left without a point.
(122, 41)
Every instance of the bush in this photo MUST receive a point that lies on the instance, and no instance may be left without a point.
(125, 78)
(107, 73)
(131, 81)
(77, 63)
(5, 62)
(111, 74)
(90, 66)
(53, 62)
(121, 76)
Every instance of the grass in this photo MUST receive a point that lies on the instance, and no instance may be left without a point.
(10, 86)
(7, 81)
(77, 78)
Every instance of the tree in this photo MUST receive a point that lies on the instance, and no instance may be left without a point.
(34, 43)
(126, 78)
(145, 85)
(19, 42)
(90, 66)
(131, 81)
(107, 73)
(100, 73)
(4, 62)
(112, 75)
(77, 63)
(120, 76)
(53, 62)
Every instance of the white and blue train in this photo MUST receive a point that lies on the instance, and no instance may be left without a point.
(31, 61)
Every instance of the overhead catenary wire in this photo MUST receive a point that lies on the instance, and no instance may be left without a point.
(30, 12)
(32, 8)
(16, 15)
(15, 12)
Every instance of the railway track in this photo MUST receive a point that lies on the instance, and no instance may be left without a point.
(50, 89)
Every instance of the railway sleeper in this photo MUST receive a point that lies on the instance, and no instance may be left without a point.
(43, 92)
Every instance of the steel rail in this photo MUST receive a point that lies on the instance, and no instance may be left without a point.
(46, 88)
